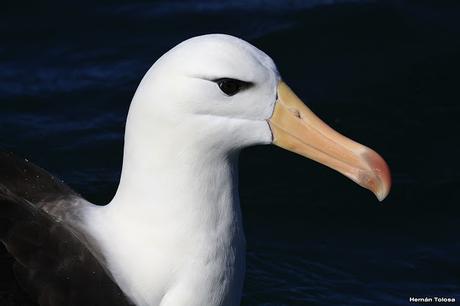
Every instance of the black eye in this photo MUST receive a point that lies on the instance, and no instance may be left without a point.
(231, 86)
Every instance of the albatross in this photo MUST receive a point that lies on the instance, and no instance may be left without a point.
(172, 235)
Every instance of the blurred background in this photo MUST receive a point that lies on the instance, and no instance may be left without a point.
(385, 73)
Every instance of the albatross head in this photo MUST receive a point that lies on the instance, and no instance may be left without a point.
(217, 93)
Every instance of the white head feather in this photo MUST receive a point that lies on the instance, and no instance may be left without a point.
(173, 234)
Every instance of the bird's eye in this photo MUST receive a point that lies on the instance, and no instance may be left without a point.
(230, 87)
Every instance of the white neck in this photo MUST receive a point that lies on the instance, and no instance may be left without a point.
(173, 233)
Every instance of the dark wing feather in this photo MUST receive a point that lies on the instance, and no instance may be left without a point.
(53, 263)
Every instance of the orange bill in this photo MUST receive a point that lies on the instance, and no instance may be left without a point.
(296, 128)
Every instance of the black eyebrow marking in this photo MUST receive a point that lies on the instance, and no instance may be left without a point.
(243, 84)
(216, 79)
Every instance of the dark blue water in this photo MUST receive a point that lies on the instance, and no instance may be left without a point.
(385, 73)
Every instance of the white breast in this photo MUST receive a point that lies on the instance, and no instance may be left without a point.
(188, 250)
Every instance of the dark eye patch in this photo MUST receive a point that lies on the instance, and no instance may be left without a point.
(230, 86)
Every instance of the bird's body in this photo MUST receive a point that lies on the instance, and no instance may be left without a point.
(173, 234)
(190, 236)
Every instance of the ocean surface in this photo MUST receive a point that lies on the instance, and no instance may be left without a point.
(385, 73)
